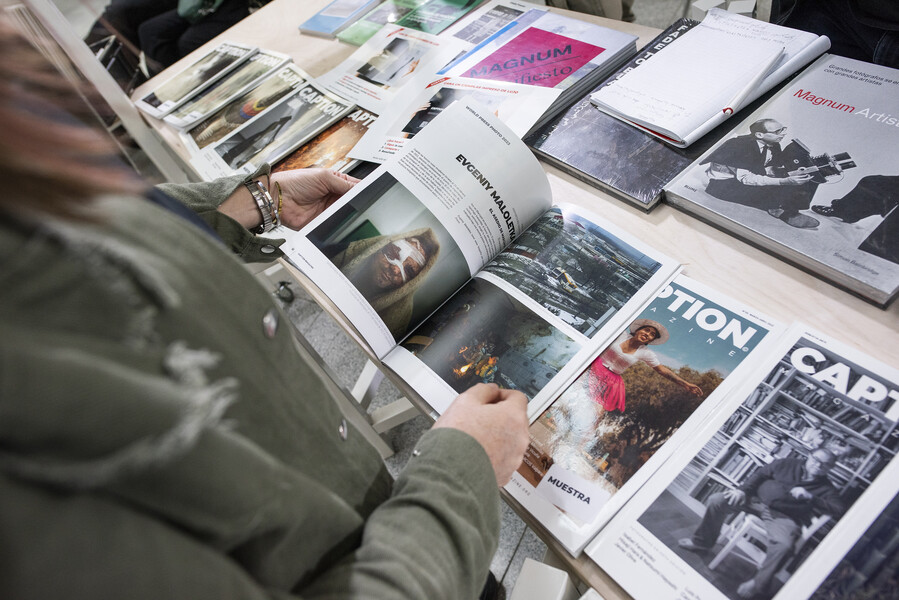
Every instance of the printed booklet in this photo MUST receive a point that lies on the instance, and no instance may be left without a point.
(245, 77)
(201, 74)
(774, 491)
(290, 122)
(811, 176)
(545, 49)
(244, 108)
(647, 393)
(336, 16)
(427, 16)
(518, 106)
(488, 19)
(452, 264)
(330, 149)
(716, 69)
(394, 61)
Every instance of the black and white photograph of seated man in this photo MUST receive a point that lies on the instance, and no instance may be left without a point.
(776, 479)
(783, 495)
(751, 170)
(394, 252)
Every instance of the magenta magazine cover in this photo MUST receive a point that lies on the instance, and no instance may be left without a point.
(536, 57)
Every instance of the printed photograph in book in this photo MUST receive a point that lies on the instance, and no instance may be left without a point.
(812, 176)
(394, 62)
(246, 107)
(274, 134)
(870, 570)
(394, 252)
(483, 335)
(639, 391)
(767, 488)
(580, 272)
(329, 149)
(197, 75)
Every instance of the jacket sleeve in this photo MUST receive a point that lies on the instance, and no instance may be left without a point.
(222, 518)
(204, 199)
(436, 535)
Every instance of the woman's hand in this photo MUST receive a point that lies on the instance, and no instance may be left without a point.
(307, 192)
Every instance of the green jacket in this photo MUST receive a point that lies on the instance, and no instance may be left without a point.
(158, 441)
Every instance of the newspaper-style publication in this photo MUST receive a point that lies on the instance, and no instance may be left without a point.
(393, 60)
(518, 106)
(244, 108)
(645, 394)
(411, 237)
(291, 122)
(774, 491)
(330, 149)
(245, 77)
(204, 72)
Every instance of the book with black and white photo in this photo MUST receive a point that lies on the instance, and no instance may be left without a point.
(453, 266)
(246, 76)
(330, 149)
(545, 49)
(195, 78)
(716, 69)
(774, 491)
(518, 106)
(811, 177)
(426, 16)
(289, 123)
(620, 159)
(647, 393)
(394, 61)
(336, 16)
(246, 107)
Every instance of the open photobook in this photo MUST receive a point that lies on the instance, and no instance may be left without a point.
(454, 266)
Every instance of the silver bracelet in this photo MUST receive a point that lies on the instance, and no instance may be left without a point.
(265, 204)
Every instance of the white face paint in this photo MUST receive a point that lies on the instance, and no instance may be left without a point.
(407, 250)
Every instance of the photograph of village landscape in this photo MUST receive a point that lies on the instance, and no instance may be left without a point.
(577, 270)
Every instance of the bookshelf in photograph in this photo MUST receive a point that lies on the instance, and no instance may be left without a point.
(789, 415)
